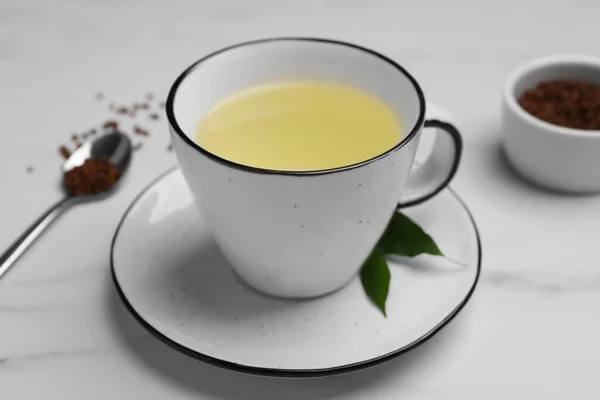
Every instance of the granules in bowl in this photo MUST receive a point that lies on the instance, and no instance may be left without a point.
(568, 103)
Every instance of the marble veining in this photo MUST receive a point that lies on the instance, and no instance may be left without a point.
(13, 308)
(541, 283)
(6, 361)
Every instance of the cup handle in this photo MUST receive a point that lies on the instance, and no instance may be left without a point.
(437, 171)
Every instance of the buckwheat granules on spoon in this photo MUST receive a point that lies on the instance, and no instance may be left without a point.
(96, 175)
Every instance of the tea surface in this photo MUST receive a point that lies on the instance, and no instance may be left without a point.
(299, 125)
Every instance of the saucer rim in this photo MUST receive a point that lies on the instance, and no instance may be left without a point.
(286, 372)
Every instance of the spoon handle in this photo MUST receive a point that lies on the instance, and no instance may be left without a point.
(28, 237)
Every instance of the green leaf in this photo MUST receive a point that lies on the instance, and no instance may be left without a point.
(405, 238)
(375, 278)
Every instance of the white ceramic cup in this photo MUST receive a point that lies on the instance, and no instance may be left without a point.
(304, 234)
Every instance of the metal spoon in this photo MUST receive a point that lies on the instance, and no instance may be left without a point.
(114, 147)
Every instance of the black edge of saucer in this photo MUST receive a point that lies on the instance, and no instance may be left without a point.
(282, 372)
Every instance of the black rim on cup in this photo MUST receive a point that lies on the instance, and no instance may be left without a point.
(177, 129)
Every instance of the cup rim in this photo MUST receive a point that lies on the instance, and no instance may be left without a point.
(177, 129)
(538, 64)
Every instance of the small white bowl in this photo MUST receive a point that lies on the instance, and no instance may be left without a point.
(552, 156)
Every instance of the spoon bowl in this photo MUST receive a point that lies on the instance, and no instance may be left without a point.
(114, 147)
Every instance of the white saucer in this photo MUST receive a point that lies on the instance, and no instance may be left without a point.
(177, 284)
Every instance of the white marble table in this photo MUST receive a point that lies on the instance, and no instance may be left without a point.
(531, 330)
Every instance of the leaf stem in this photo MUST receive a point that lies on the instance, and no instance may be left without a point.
(456, 262)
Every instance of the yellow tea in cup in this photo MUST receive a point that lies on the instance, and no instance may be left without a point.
(299, 125)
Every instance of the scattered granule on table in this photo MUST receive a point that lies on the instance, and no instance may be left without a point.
(110, 125)
(65, 152)
(138, 130)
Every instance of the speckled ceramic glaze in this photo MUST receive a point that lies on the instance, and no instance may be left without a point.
(303, 234)
(179, 285)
